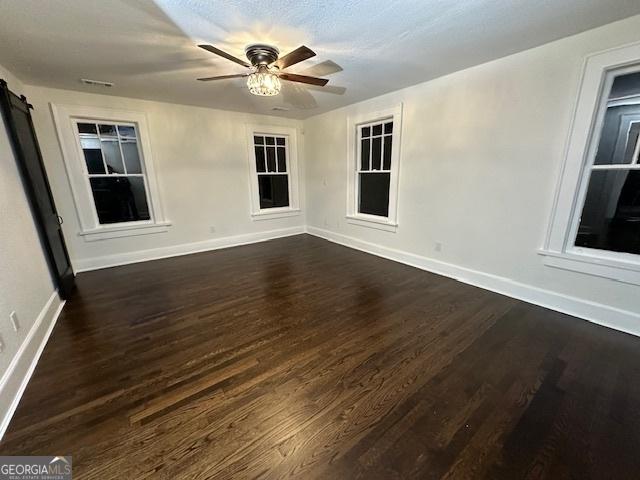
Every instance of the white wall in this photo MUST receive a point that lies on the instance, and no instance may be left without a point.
(26, 286)
(480, 157)
(200, 157)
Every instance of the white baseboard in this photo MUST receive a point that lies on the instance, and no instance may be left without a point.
(15, 379)
(87, 264)
(607, 316)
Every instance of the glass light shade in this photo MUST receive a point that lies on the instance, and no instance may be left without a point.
(264, 83)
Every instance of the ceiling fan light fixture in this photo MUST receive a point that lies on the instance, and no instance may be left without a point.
(264, 82)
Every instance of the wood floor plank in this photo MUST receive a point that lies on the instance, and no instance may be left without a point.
(299, 358)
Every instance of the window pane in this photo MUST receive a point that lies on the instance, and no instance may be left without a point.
(274, 191)
(280, 140)
(366, 132)
(270, 140)
(131, 157)
(120, 199)
(377, 129)
(282, 159)
(364, 154)
(271, 159)
(87, 128)
(127, 131)
(619, 131)
(388, 127)
(260, 161)
(107, 130)
(630, 154)
(386, 164)
(92, 155)
(94, 161)
(376, 153)
(258, 140)
(374, 194)
(112, 156)
(611, 215)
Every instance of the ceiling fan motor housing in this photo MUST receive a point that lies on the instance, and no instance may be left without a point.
(261, 54)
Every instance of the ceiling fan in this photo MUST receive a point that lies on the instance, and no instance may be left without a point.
(266, 68)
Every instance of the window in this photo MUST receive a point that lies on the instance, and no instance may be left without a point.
(271, 167)
(108, 161)
(595, 226)
(373, 169)
(272, 161)
(115, 171)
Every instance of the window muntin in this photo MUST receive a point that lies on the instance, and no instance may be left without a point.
(374, 167)
(271, 161)
(610, 216)
(115, 172)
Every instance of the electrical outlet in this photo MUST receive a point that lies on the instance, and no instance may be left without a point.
(14, 321)
(437, 247)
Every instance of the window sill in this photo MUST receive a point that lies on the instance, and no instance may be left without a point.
(593, 265)
(104, 233)
(370, 221)
(274, 213)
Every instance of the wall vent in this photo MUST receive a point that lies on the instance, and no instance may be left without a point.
(99, 83)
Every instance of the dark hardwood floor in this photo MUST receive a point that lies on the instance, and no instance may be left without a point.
(298, 358)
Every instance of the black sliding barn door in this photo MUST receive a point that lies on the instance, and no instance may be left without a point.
(17, 119)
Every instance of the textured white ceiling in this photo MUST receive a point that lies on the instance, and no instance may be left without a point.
(148, 48)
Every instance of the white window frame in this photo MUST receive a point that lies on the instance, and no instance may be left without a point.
(559, 248)
(66, 118)
(291, 144)
(390, 222)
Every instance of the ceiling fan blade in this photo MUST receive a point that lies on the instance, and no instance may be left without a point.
(294, 77)
(222, 77)
(217, 51)
(298, 55)
(298, 96)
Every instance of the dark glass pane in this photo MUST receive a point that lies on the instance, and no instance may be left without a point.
(377, 129)
(274, 191)
(388, 127)
(92, 155)
(270, 140)
(87, 128)
(260, 161)
(364, 155)
(271, 159)
(376, 153)
(280, 140)
(631, 150)
(108, 130)
(374, 194)
(127, 131)
(618, 135)
(131, 157)
(120, 199)
(386, 163)
(611, 215)
(282, 159)
(94, 161)
(366, 132)
(112, 156)
(258, 140)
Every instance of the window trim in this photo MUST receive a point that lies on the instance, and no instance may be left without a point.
(353, 217)
(291, 133)
(65, 119)
(558, 249)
